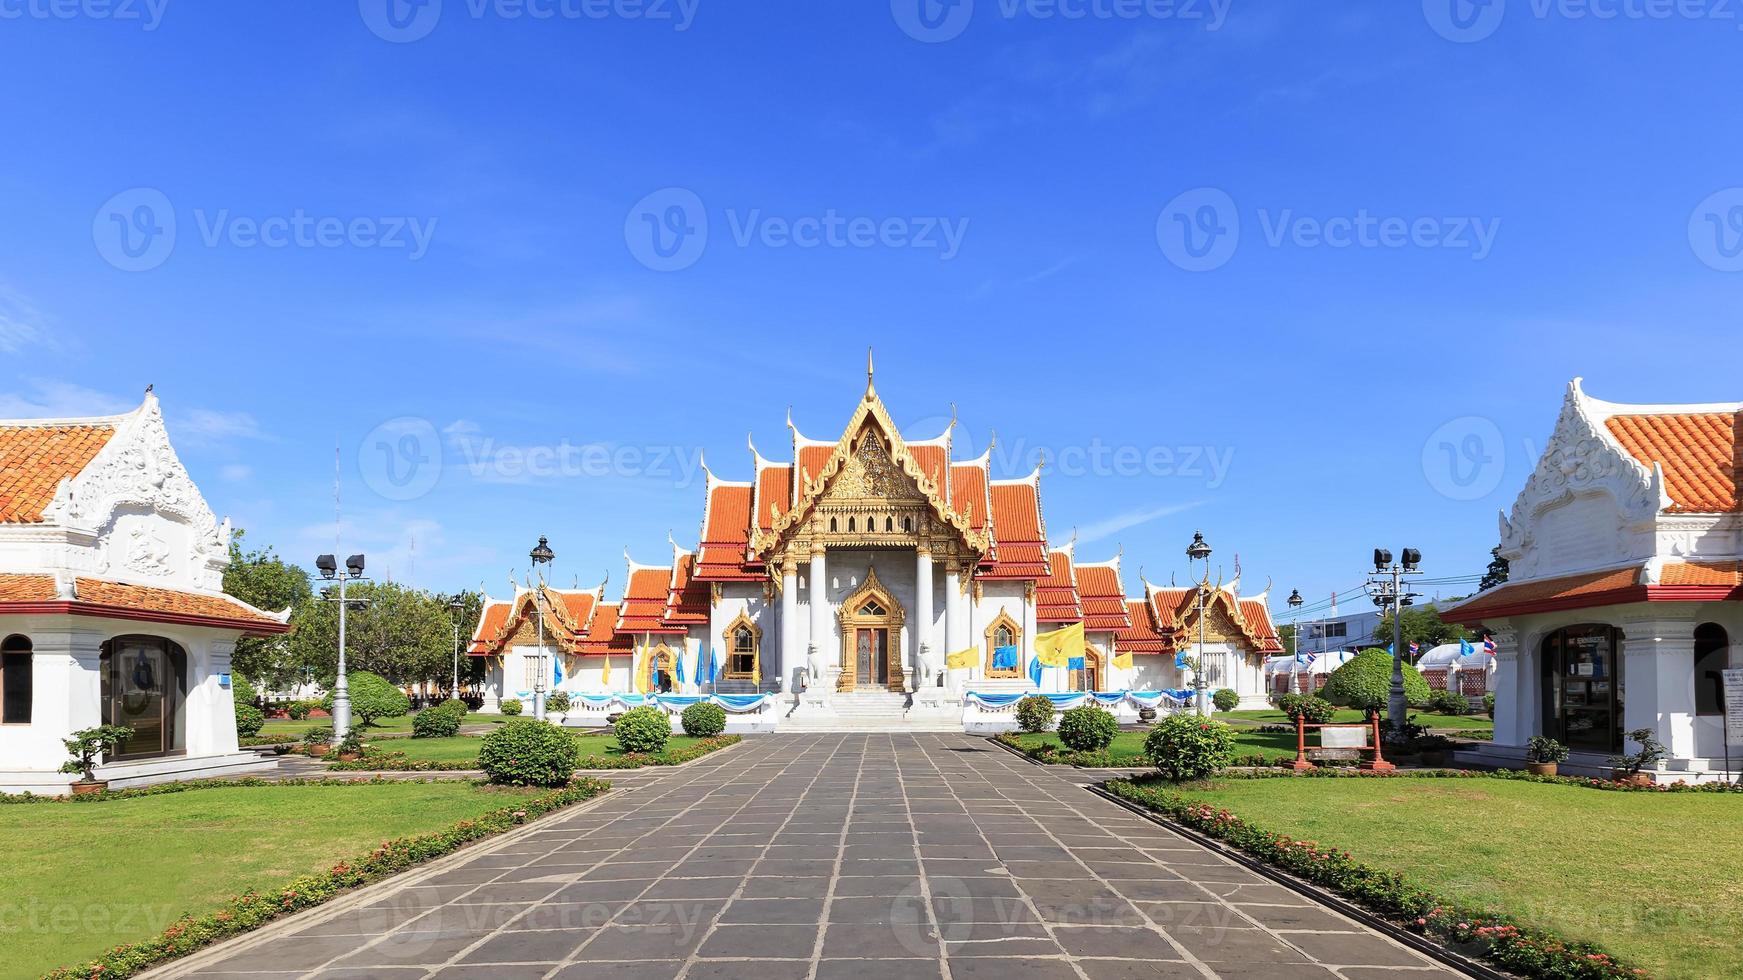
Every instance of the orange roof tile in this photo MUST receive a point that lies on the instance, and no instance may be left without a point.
(931, 460)
(774, 494)
(725, 535)
(96, 597)
(1710, 573)
(1259, 626)
(602, 636)
(490, 623)
(1103, 598)
(1699, 453)
(812, 459)
(34, 459)
(1020, 536)
(1056, 598)
(968, 494)
(1567, 591)
(687, 600)
(1140, 634)
(644, 602)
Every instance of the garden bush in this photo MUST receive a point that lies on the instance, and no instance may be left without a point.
(1087, 728)
(249, 720)
(703, 720)
(1034, 713)
(1365, 682)
(528, 752)
(1225, 699)
(1306, 707)
(1489, 704)
(1185, 747)
(300, 710)
(643, 729)
(319, 735)
(511, 706)
(558, 702)
(455, 705)
(437, 722)
(1448, 703)
(372, 697)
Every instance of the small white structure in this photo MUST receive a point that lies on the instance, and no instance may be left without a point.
(1461, 668)
(1626, 554)
(1306, 673)
(111, 605)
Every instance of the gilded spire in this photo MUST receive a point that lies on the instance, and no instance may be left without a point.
(870, 392)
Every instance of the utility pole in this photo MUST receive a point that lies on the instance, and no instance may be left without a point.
(330, 571)
(1387, 587)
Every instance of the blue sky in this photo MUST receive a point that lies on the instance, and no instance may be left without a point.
(1000, 206)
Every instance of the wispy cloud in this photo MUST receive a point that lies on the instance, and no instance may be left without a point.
(1103, 529)
(21, 324)
(205, 426)
(46, 398)
(236, 472)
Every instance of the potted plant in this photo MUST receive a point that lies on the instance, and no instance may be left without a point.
(351, 746)
(317, 740)
(1542, 754)
(1628, 768)
(86, 746)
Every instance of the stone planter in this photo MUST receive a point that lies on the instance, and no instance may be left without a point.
(316, 751)
(1631, 779)
(86, 787)
(1147, 715)
(1541, 768)
(350, 756)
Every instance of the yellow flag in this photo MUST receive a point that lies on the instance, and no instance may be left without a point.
(1058, 648)
(641, 675)
(1123, 661)
(756, 670)
(605, 674)
(962, 659)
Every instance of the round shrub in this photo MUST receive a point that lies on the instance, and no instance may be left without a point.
(1034, 713)
(1489, 704)
(455, 705)
(1185, 747)
(1087, 728)
(300, 710)
(435, 722)
(372, 696)
(643, 729)
(1306, 707)
(511, 706)
(1225, 699)
(241, 691)
(528, 752)
(703, 720)
(1448, 703)
(249, 720)
(1365, 682)
(558, 701)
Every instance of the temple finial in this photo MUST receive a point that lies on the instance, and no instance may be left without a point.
(870, 392)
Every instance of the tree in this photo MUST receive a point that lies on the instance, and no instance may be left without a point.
(1422, 625)
(402, 634)
(265, 581)
(1287, 635)
(1499, 569)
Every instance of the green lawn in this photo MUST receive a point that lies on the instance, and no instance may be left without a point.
(1127, 748)
(464, 748)
(80, 878)
(1647, 875)
(385, 726)
(1350, 716)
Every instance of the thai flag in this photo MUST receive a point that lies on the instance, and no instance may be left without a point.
(1311, 658)
(1489, 645)
(1415, 648)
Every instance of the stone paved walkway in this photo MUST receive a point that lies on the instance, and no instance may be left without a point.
(864, 856)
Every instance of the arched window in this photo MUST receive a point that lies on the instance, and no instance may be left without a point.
(665, 671)
(832, 524)
(1004, 643)
(873, 608)
(16, 680)
(1086, 676)
(908, 524)
(889, 523)
(1712, 655)
(144, 684)
(743, 647)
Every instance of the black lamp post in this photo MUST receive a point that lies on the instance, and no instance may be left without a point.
(541, 555)
(1198, 550)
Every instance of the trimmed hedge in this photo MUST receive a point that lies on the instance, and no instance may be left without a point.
(703, 720)
(253, 909)
(438, 722)
(511, 706)
(557, 701)
(1225, 699)
(1087, 728)
(1365, 682)
(643, 730)
(1185, 747)
(372, 696)
(249, 720)
(1316, 711)
(1034, 713)
(1448, 703)
(670, 757)
(529, 752)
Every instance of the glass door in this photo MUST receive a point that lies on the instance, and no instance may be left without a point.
(142, 686)
(1583, 688)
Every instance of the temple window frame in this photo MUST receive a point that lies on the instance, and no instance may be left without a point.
(1005, 621)
(743, 622)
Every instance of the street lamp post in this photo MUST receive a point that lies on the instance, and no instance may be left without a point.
(1196, 551)
(457, 609)
(541, 555)
(1295, 602)
(330, 571)
(1387, 585)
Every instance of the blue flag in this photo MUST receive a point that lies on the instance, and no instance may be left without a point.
(557, 664)
(1035, 671)
(678, 668)
(1180, 661)
(1005, 658)
(1465, 648)
(1075, 663)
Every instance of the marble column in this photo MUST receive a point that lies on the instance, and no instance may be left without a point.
(924, 671)
(955, 623)
(1660, 672)
(819, 619)
(1513, 694)
(789, 655)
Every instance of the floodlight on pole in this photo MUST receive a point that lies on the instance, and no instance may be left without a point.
(329, 569)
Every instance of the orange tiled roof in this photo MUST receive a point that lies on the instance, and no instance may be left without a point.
(968, 493)
(34, 459)
(687, 600)
(1103, 598)
(644, 602)
(1056, 597)
(725, 535)
(1699, 452)
(1259, 626)
(931, 460)
(1567, 591)
(98, 597)
(812, 459)
(602, 637)
(1709, 573)
(1021, 537)
(774, 494)
(490, 623)
(1140, 634)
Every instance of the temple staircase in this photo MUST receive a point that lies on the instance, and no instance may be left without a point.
(871, 711)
